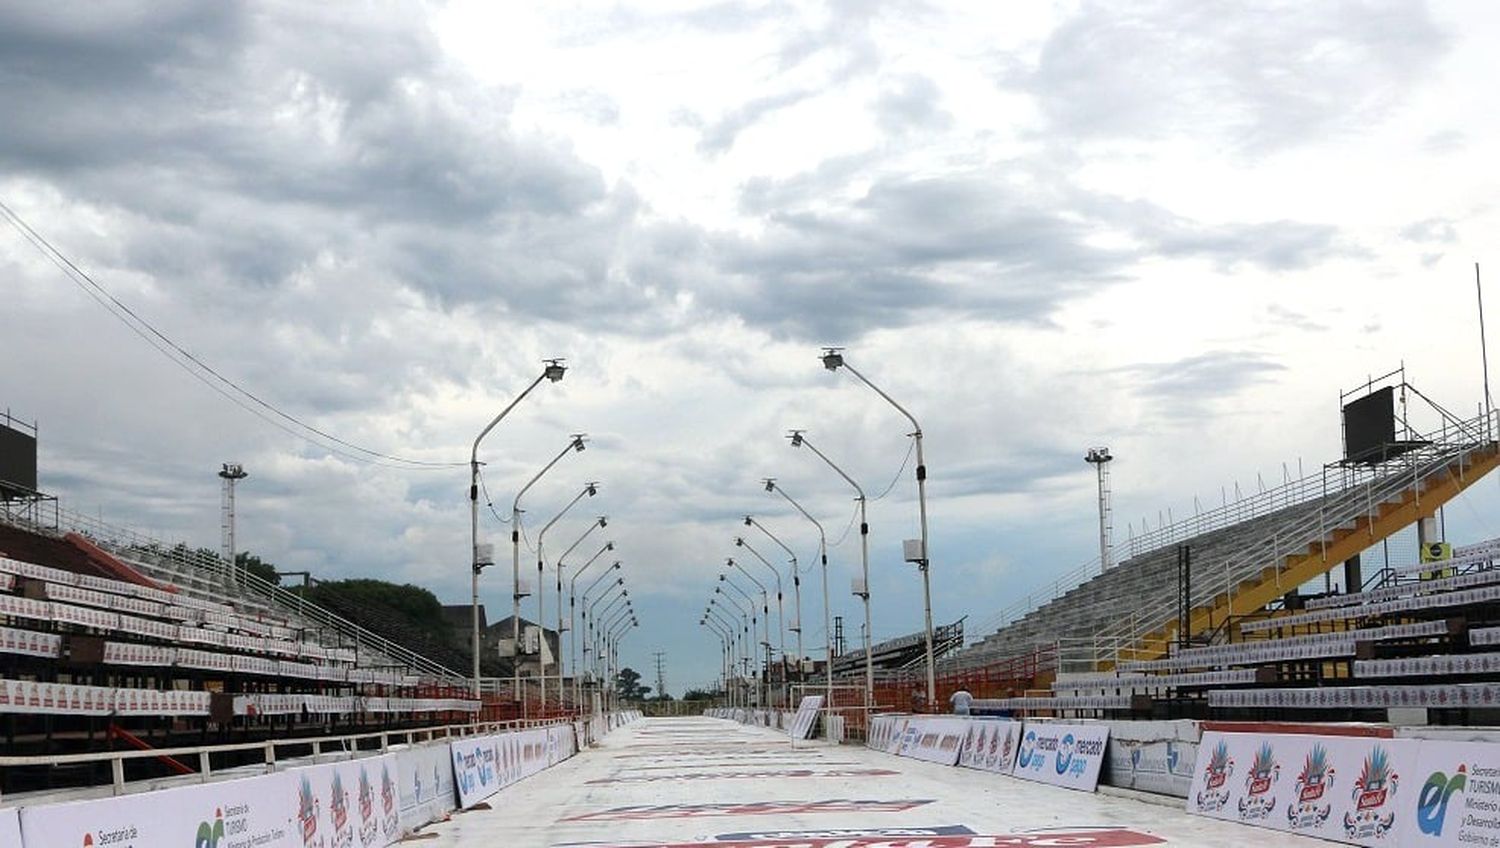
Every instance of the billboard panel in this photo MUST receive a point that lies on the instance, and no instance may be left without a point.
(17, 461)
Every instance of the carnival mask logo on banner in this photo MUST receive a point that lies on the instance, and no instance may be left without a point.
(1313, 782)
(389, 803)
(1373, 790)
(338, 812)
(1264, 772)
(307, 815)
(1432, 803)
(1216, 776)
(368, 826)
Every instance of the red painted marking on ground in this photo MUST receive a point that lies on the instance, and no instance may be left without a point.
(746, 775)
(753, 808)
(1112, 838)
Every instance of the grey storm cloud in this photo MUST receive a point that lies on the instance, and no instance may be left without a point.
(1183, 388)
(1263, 76)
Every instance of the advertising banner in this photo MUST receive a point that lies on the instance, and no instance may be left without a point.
(807, 713)
(937, 739)
(349, 804)
(885, 732)
(425, 792)
(483, 765)
(1345, 788)
(1453, 797)
(255, 811)
(1152, 756)
(1068, 755)
(990, 745)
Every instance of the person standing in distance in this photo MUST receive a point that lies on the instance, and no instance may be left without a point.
(961, 701)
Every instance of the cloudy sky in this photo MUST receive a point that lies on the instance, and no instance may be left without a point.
(1176, 228)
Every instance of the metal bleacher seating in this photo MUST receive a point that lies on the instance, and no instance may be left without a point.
(139, 631)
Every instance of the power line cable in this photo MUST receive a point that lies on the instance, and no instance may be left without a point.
(201, 370)
(910, 448)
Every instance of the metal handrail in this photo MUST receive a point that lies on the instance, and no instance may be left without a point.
(349, 743)
(1300, 530)
(135, 547)
(1307, 488)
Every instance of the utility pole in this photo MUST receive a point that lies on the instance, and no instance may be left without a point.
(661, 679)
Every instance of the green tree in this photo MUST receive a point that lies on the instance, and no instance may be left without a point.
(628, 684)
(698, 695)
(257, 566)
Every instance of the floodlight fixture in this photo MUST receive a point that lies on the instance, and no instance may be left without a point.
(553, 369)
(796, 437)
(770, 487)
(832, 358)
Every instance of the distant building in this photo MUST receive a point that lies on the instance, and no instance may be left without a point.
(500, 634)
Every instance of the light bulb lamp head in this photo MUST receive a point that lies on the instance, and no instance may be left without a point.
(554, 369)
(610, 545)
(603, 521)
(578, 442)
(749, 522)
(832, 358)
(592, 488)
(770, 486)
(796, 437)
(739, 541)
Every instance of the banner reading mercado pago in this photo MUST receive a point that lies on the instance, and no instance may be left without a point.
(1352, 789)
(251, 811)
(1068, 755)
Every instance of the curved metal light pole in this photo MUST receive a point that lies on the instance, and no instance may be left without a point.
(616, 640)
(625, 615)
(780, 612)
(750, 521)
(719, 613)
(833, 357)
(737, 621)
(750, 643)
(589, 490)
(827, 623)
(726, 650)
(572, 617)
(552, 370)
(765, 610)
(601, 521)
(799, 439)
(734, 628)
(703, 622)
(575, 444)
(591, 619)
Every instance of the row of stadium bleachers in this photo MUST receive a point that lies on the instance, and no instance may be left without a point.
(1397, 646)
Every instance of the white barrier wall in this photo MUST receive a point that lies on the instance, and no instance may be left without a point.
(351, 803)
(364, 803)
(1152, 756)
(262, 811)
(1067, 755)
(426, 785)
(990, 745)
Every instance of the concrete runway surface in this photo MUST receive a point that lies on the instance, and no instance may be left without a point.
(703, 781)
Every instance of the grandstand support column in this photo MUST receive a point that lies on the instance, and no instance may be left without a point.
(799, 439)
(552, 370)
(827, 623)
(833, 357)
